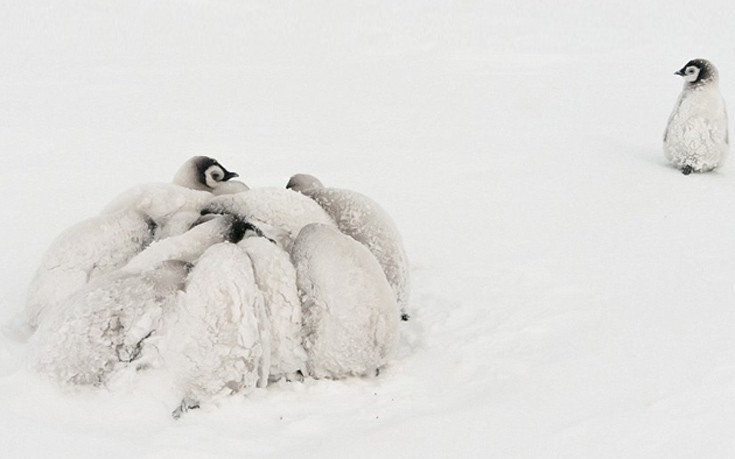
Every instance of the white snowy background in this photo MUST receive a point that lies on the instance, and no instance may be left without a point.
(573, 295)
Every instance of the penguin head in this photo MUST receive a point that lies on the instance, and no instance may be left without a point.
(202, 173)
(698, 72)
(301, 182)
(242, 229)
(235, 228)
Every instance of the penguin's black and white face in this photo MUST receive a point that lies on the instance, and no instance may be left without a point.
(691, 73)
(211, 172)
(216, 174)
(202, 173)
(698, 71)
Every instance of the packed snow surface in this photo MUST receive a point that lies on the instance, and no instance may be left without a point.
(572, 293)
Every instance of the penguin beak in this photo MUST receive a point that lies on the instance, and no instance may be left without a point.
(679, 72)
(229, 175)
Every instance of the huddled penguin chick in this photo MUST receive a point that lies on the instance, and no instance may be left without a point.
(172, 207)
(275, 277)
(192, 244)
(93, 247)
(364, 220)
(103, 327)
(279, 213)
(126, 226)
(350, 315)
(175, 206)
(215, 339)
(696, 137)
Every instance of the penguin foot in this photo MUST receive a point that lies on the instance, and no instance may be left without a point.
(405, 317)
(686, 170)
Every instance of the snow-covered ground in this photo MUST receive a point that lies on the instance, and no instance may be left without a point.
(573, 296)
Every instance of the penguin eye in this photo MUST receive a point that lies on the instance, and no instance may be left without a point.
(690, 70)
(217, 175)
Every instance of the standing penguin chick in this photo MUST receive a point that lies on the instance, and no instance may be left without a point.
(350, 315)
(696, 138)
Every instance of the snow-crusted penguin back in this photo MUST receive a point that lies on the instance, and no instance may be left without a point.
(190, 245)
(367, 222)
(230, 187)
(275, 277)
(159, 201)
(215, 343)
(91, 248)
(350, 314)
(284, 210)
(104, 327)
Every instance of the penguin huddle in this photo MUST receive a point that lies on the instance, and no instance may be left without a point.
(221, 287)
(696, 137)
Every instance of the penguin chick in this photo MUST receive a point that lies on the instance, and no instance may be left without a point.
(350, 314)
(192, 244)
(301, 182)
(174, 206)
(696, 137)
(364, 220)
(171, 206)
(91, 248)
(275, 277)
(125, 227)
(103, 327)
(213, 341)
(285, 211)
